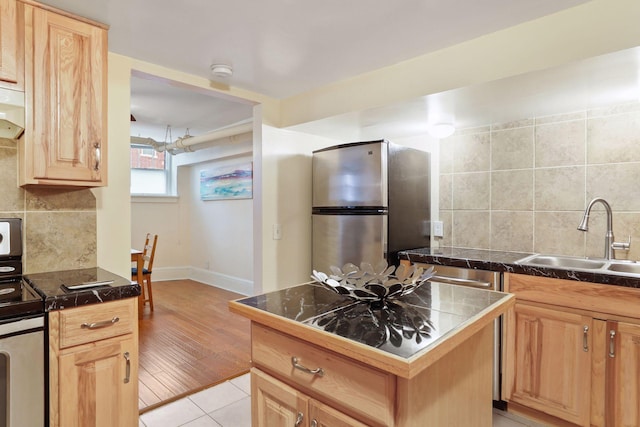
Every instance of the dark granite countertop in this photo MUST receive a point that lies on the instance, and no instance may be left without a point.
(50, 286)
(401, 327)
(506, 262)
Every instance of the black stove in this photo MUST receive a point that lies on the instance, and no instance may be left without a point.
(17, 298)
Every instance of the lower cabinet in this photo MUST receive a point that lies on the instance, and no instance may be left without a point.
(570, 361)
(552, 362)
(93, 365)
(275, 404)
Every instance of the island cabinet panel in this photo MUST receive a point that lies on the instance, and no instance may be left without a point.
(553, 360)
(93, 379)
(567, 361)
(66, 99)
(275, 404)
(345, 383)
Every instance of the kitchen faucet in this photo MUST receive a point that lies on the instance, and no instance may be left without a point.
(609, 243)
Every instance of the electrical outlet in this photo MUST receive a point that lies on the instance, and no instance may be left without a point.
(277, 232)
(438, 229)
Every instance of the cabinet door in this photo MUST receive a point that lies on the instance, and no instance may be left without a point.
(8, 41)
(321, 415)
(623, 374)
(98, 386)
(66, 102)
(275, 404)
(551, 366)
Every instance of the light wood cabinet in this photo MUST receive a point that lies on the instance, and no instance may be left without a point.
(622, 380)
(275, 404)
(65, 141)
(93, 369)
(11, 44)
(553, 364)
(572, 351)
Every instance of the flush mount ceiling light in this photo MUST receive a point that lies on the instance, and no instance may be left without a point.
(441, 130)
(221, 70)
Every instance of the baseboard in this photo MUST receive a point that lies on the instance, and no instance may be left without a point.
(223, 281)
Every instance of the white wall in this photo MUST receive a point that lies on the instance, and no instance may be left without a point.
(221, 234)
(286, 200)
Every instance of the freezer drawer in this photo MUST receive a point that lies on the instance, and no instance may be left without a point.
(353, 175)
(339, 239)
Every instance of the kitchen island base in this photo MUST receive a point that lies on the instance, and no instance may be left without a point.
(453, 391)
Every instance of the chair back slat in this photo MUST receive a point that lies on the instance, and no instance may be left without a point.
(149, 250)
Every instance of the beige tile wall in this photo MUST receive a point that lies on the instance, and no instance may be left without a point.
(59, 225)
(523, 186)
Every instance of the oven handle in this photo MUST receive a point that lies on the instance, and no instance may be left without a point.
(98, 325)
(463, 282)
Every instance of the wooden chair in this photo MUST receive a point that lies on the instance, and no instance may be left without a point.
(148, 253)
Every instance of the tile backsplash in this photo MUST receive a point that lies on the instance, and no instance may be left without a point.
(523, 186)
(59, 225)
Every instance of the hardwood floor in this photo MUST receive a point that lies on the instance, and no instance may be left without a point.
(190, 342)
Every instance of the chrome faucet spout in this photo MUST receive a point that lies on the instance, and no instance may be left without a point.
(608, 238)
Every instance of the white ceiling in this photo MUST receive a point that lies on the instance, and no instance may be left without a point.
(284, 47)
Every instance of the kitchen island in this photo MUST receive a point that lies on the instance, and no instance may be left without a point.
(320, 358)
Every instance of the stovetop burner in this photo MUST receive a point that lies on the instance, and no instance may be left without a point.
(17, 298)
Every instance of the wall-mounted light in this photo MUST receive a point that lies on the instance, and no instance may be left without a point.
(221, 70)
(441, 130)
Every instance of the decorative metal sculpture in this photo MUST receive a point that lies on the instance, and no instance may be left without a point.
(369, 283)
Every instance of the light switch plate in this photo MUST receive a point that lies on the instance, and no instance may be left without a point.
(277, 232)
(438, 229)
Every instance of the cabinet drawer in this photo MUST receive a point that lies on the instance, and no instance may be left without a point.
(96, 322)
(357, 389)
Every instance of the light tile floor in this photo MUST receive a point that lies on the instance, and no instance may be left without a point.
(229, 405)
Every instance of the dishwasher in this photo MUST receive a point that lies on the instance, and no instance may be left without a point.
(483, 279)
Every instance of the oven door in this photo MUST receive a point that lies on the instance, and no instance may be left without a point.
(22, 373)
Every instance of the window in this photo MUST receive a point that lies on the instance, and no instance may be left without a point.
(150, 171)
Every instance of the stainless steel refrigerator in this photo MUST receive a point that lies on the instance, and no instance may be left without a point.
(370, 200)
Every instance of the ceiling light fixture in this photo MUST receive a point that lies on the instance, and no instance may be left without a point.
(441, 130)
(221, 70)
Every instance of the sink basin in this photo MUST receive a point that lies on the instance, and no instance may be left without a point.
(630, 268)
(563, 262)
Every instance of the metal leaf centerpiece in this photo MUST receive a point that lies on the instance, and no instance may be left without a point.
(369, 283)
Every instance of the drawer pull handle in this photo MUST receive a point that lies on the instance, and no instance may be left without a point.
(96, 167)
(612, 343)
(98, 325)
(585, 338)
(318, 371)
(299, 419)
(127, 374)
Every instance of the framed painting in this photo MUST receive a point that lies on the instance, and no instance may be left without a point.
(227, 182)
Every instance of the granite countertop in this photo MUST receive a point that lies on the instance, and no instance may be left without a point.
(402, 327)
(506, 262)
(50, 286)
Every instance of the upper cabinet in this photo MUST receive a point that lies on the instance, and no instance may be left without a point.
(11, 52)
(65, 139)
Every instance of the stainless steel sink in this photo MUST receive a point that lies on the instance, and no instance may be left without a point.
(563, 262)
(629, 268)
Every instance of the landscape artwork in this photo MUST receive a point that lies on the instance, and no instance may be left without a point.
(227, 182)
